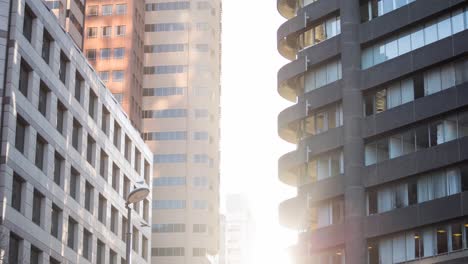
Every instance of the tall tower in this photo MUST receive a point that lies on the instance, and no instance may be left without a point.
(380, 123)
(70, 14)
(181, 125)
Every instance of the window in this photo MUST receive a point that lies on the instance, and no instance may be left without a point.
(46, 45)
(59, 162)
(136, 240)
(322, 75)
(103, 164)
(106, 10)
(61, 111)
(89, 197)
(104, 75)
(168, 204)
(168, 228)
(100, 252)
(200, 205)
(119, 53)
(165, 69)
(202, 26)
(128, 149)
(35, 256)
(200, 135)
(121, 9)
(147, 172)
(112, 257)
(319, 33)
(164, 91)
(91, 151)
(106, 31)
(72, 229)
(79, 81)
(165, 48)
(124, 228)
(199, 228)
(165, 6)
(146, 211)
(56, 222)
(93, 10)
(91, 54)
(118, 76)
(120, 30)
(137, 161)
(76, 135)
(105, 54)
(102, 209)
(87, 242)
(15, 249)
(199, 252)
(168, 252)
(28, 23)
(200, 182)
(144, 247)
(74, 184)
(25, 71)
(166, 113)
(117, 136)
(115, 177)
(37, 207)
(41, 147)
(105, 121)
(43, 98)
(63, 67)
(114, 220)
(161, 27)
(20, 134)
(170, 158)
(53, 261)
(93, 104)
(17, 192)
(92, 32)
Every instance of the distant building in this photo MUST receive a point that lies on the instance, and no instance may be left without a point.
(70, 14)
(239, 230)
(380, 120)
(69, 154)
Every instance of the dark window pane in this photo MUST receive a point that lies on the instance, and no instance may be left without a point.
(422, 137)
(457, 237)
(442, 246)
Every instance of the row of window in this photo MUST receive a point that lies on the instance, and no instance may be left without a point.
(426, 187)
(177, 5)
(418, 37)
(371, 9)
(164, 91)
(179, 204)
(178, 228)
(165, 48)
(419, 243)
(419, 85)
(166, 113)
(117, 76)
(105, 54)
(322, 75)
(321, 121)
(106, 31)
(182, 158)
(161, 27)
(176, 252)
(165, 69)
(322, 167)
(321, 32)
(175, 135)
(199, 181)
(421, 137)
(106, 10)
(327, 213)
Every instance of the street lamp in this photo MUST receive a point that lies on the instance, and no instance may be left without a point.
(136, 195)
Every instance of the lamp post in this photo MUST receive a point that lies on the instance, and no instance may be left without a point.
(136, 195)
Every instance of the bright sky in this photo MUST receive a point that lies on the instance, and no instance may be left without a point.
(250, 146)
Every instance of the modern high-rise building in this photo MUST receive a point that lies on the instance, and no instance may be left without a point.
(114, 46)
(239, 230)
(70, 155)
(380, 120)
(181, 96)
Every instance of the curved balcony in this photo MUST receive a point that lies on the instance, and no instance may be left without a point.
(290, 78)
(287, 8)
(292, 213)
(289, 122)
(287, 37)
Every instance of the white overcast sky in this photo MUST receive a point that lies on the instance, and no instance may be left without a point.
(250, 146)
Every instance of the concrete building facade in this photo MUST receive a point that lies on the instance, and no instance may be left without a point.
(114, 46)
(181, 95)
(380, 123)
(69, 153)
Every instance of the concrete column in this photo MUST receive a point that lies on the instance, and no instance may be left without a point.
(355, 243)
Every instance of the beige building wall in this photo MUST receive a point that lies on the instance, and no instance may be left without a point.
(181, 125)
(114, 47)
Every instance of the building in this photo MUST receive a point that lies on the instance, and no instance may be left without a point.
(70, 14)
(69, 153)
(239, 230)
(114, 46)
(181, 89)
(222, 240)
(380, 123)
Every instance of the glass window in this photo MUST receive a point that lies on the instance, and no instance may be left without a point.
(457, 237)
(444, 27)
(448, 76)
(105, 54)
(121, 9)
(93, 10)
(120, 30)
(457, 21)
(432, 81)
(106, 31)
(117, 76)
(332, 72)
(430, 33)
(379, 54)
(387, 6)
(442, 245)
(404, 44)
(320, 34)
(107, 10)
(320, 77)
(119, 53)
(417, 38)
(391, 49)
(92, 32)
(104, 75)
